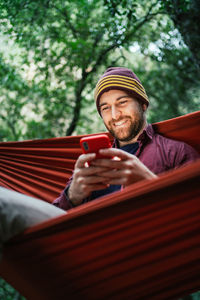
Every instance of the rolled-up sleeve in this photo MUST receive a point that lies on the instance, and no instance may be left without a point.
(63, 200)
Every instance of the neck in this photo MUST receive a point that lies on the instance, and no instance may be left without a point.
(133, 140)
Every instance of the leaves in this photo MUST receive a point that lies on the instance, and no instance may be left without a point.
(7, 292)
(59, 48)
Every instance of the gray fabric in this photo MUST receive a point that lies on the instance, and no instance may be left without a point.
(18, 212)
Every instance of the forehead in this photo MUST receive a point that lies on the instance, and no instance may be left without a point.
(112, 95)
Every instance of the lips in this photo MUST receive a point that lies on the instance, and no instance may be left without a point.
(119, 123)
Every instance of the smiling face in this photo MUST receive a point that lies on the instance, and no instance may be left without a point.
(123, 115)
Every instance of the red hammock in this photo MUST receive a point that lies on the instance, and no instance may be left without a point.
(144, 243)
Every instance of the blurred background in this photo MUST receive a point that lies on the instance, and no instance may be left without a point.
(52, 53)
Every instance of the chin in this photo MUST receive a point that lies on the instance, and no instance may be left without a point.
(123, 137)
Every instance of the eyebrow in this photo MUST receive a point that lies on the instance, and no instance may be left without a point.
(124, 96)
(119, 98)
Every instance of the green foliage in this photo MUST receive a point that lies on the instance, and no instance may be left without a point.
(181, 5)
(59, 48)
(185, 14)
(12, 99)
(194, 296)
(8, 293)
(170, 82)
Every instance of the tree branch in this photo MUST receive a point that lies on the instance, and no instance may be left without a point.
(76, 111)
(67, 20)
(146, 18)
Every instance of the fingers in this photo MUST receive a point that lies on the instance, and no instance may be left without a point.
(112, 152)
(80, 163)
(121, 177)
(82, 186)
(86, 180)
(81, 171)
(118, 181)
(92, 170)
(119, 159)
(110, 163)
(115, 174)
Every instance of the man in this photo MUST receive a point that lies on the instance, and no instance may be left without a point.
(141, 153)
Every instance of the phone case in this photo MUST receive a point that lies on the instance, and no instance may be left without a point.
(93, 144)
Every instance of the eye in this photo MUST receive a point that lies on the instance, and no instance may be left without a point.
(104, 108)
(123, 102)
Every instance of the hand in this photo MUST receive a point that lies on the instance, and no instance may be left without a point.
(126, 170)
(86, 179)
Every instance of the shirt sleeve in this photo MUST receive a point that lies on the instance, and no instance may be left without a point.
(185, 155)
(63, 200)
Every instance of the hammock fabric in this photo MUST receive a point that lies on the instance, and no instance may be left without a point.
(143, 243)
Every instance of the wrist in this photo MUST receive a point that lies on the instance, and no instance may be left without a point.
(75, 201)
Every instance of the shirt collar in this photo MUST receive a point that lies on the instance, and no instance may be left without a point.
(146, 135)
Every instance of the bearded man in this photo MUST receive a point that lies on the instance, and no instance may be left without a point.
(142, 154)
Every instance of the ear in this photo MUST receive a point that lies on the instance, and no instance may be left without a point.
(144, 107)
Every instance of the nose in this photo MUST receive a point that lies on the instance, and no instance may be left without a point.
(115, 112)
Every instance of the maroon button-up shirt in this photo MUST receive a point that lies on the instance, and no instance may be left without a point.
(158, 153)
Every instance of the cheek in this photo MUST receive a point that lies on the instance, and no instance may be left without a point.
(132, 110)
(106, 121)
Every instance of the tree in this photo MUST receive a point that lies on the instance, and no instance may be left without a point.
(12, 99)
(166, 66)
(185, 15)
(172, 81)
(67, 45)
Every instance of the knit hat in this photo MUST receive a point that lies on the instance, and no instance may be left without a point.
(116, 78)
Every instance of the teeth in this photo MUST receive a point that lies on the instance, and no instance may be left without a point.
(119, 123)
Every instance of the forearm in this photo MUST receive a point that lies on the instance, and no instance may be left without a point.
(65, 202)
(73, 197)
(62, 201)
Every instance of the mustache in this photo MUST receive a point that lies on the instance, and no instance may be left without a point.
(120, 119)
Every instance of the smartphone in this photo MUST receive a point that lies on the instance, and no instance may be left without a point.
(92, 144)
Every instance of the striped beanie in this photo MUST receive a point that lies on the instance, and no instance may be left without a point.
(116, 78)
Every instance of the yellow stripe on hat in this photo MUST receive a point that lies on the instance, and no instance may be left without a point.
(120, 81)
(115, 82)
(133, 88)
(123, 78)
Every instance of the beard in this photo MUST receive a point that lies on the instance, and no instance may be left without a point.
(131, 127)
